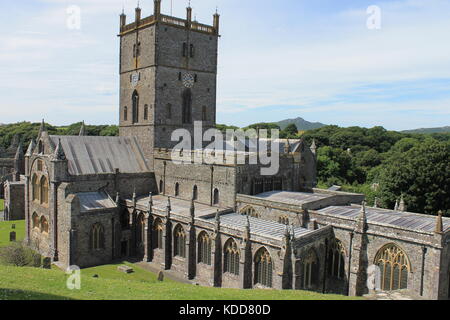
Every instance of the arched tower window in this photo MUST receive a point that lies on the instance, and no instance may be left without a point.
(195, 193)
(263, 268)
(44, 225)
(35, 219)
(216, 196)
(204, 248)
(179, 241)
(135, 101)
(97, 237)
(146, 112)
(177, 189)
(310, 270)
(187, 106)
(157, 240)
(231, 257)
(44, 190)
(36, 188)
(336, 260)
(394, 267)
(125, 113)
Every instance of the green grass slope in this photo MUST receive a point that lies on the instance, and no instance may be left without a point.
(40, 284)
(5, 229)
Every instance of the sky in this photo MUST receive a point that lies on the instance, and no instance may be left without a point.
(278, 59)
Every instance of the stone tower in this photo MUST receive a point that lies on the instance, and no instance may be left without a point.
(168, 76)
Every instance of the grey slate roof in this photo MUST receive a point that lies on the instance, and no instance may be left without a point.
(403, 220)
(94, 201)
(258, 226)
(292, 198)
(94, 155)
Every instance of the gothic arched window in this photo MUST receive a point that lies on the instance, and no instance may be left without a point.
(157, 240)
(35, 219)
(177, 189)
(36, 190)
(44, 225)
(249, 211)
(216, 196)
(179, 241)
(187, 106)
(195, 193)
(336, 260)
(231, 257)
(394, 267)
(44, 190)
(204, 248)
(263, 268)
(310, 270)
(135, 101)
(161, 186)
(97, 237)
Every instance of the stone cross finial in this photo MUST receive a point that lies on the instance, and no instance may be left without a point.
(439, 224)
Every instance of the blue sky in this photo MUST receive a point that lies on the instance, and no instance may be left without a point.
(281, 59)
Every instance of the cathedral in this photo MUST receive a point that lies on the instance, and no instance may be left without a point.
(94, 200)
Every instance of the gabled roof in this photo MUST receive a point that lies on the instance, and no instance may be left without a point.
(94, 155)
(398, 219)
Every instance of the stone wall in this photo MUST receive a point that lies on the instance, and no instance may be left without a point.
(14, 201)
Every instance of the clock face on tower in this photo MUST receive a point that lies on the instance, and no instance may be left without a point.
(188, 80)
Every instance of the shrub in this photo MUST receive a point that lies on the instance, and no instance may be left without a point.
(20, 256)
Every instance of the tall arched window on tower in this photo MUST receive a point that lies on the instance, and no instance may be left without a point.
(44, 190)
(231, 257)
(35, 186)
(187, 106)
(394, 267)
(263, 268)
(177, 189)
(135, 100)
(179, 242)
(125, 113)
(44, 225)
(35, 219)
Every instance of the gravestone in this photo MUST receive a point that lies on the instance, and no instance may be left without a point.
(161, 276)
(47, 263)
(12, 236)
(37, 261)
(95, 276)
(125, 269)
(13, 226)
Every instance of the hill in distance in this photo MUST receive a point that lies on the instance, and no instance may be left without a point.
(302, 124)
(429, 130)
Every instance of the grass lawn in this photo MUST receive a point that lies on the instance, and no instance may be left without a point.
(5, 229)
(32, 283)
(2, 204)
(36, 284)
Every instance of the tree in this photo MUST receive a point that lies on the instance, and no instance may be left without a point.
(422, 174)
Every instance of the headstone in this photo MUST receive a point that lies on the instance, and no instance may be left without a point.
(125, 269)
(47, 263)
(161, 276)
(37, 262)
(95, 276)
(12, 236)
(13, 226)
